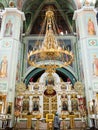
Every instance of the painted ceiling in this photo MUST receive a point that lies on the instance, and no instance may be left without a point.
(35, 12)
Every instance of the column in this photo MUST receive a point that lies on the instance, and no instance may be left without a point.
(41, 105)
(59, 104)
(30, 104)
(69, 103)
(21, 97)
(87, 32)
(10, 47)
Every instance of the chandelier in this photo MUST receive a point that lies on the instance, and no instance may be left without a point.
(49, 53)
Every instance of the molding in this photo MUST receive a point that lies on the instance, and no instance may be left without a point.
(13, 10)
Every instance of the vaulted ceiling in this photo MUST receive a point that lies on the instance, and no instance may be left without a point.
(35, 12)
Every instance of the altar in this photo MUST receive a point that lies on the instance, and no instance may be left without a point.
(43, 125)
(45, 101)
(23, 123)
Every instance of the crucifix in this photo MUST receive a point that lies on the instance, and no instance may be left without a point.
(72, 122)
(29, 120)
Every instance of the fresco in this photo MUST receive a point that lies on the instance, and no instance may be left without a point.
(4, 67)
(8, 31)
(18, 70)
(19, 4)
(5, 53)
(94, 63)
(10, 27)
(91, 24)
(87, 24)
(91, 27)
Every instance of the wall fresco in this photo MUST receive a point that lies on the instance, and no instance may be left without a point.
(94, 63)
(11, 28)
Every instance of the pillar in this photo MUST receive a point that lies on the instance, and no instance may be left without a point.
(87, 33)
(69, 103)
(10, 47)
(30, 104)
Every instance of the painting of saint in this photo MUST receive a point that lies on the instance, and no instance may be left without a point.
(95, 65)
(8, 29)
(18, 104)
(91, 28)
(17, 72)
(19, 4)
(25, 107)
(9, 109)
(64, 106)
(35, 106)
(74, 103)
(3, 67)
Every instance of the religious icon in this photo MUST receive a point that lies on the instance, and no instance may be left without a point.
(17, 72)
(35, 106)
(95, 65)
(9, 108)
(91, 28)
(18, 104)
(25, 107)
(19, 4)
(50, 80)
(64, 106)
(3, 67)
(8, 29)
(74, 103)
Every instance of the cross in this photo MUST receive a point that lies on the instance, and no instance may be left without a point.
(29, 121)
(72, 123)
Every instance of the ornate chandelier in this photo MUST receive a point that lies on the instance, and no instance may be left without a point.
(49, 53)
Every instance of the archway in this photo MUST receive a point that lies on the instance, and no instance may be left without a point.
(64, 73)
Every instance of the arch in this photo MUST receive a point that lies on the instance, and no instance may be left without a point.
(37, 72)
(32, 74)
(68, 73)
(1, 6)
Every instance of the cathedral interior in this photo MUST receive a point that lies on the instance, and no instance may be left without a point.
(48, 64)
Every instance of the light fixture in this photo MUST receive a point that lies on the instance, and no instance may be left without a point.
(50, 53)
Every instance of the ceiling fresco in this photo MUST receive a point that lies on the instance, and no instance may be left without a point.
(35, 12)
